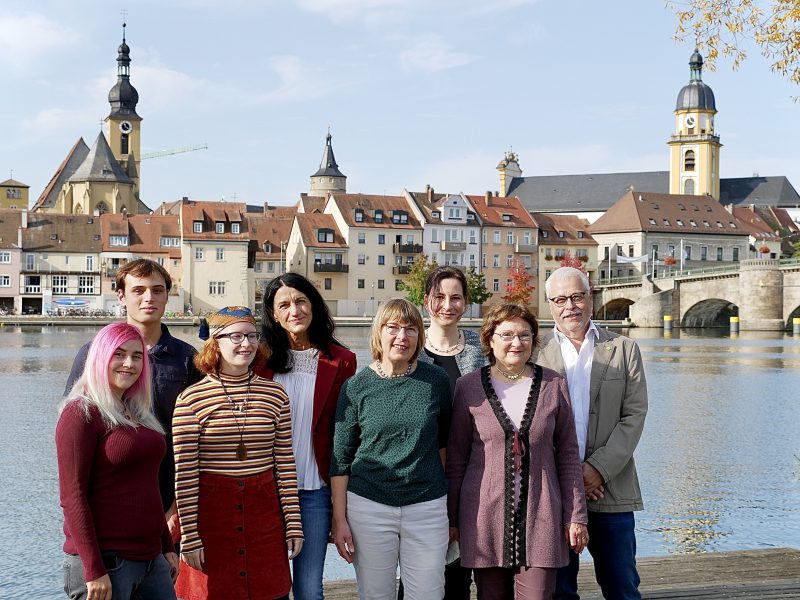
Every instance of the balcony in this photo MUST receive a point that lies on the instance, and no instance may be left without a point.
(401, 270)
(33, 289)
(526, 248)
(331, 268)
(407, 248)
(452, 246)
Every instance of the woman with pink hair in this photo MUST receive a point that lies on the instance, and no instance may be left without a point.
(109, 447)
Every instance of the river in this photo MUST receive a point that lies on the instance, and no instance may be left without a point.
(718, 460)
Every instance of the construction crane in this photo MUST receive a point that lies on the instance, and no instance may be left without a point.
(160, 153)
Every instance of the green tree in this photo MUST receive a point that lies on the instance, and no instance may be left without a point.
(519, 291)
(726, 27)
(414, 284)
(476, 287)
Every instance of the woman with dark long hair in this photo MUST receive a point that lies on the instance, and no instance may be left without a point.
(312, 366)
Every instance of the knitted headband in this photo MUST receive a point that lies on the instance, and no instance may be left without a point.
(214, 323)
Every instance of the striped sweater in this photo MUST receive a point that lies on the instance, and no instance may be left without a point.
(206, 437)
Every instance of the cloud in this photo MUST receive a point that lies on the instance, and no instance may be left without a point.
(24, 39)
(50, 120)
(297, 81)
(432, 54)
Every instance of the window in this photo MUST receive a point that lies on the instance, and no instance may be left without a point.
(325, 235)
(688, 187)
(548, 253)
(496, 237)
(687, 253)
(561, 253)
(160, 260)
(671, 250)
(688, 160)
(507, 218)
(654, 249)
(197, 226)
(33, 284)
(400, 217)
(435, 235)
(473, 236)
(692, 222)
(361, 284)
(732, 224)
(605, 253)
(59, 284)
(220, 227)
(719, 252)
(328, 283)
(270, 267)
(436, 214)
(362, 237)
(380, 284)
(582, 253)
(509, 237)
(720, 225)
(630, 250)
(258, 267)
(216, 288)
(484, 236)
(5, 258)
(496, 260)
(410, 239)
(220, 253)
(496, 285)
(118, 240)
(169, 242)
(652, 221)
(544, 233)
(561, 234)
(509, 260)
(89, 263)
(398, 285)
(703, 252)
(472, 260)
(359, 215)
(381, 259)
(736, 254)
(706, 223)
(548, 272)
(666, 222)
(86, 284)
(679, 222)
(199, 253)
(526, 260)
(453, 213)
(362, 259)
(381, 239)
(483, 260)
(379, 216)
(236, 228)
(581, 235)
(5, 280)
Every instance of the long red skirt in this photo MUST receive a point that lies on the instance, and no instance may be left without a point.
(244, 541)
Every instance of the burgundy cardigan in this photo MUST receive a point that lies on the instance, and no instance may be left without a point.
(331, 375)
(480, 474)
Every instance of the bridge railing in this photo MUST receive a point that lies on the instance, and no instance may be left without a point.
(789, 262)
(702, 272)
(616, 281)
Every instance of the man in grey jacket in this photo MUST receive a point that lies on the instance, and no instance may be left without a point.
(609, 399)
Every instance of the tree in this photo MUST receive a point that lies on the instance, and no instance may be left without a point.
(414, 285)
(519, 291)
(575, 262)
(476, 287)
(724, 27)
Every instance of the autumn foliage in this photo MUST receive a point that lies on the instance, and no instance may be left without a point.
(519, 291)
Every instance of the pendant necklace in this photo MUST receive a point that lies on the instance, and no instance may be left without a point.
(395, 376)
(444, 350)
(511, 376)
(241, 449)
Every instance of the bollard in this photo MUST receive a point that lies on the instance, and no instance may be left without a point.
(667, 322)
(796, 326)
(734, 324)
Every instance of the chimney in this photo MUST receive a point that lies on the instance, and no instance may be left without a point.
(488, 198)
(429, 191)
(23, 219)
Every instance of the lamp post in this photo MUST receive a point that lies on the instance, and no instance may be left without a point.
(372, 299)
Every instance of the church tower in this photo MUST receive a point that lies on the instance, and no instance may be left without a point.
(509, 169)
(328, 177)
(694, 147)
(123, 125)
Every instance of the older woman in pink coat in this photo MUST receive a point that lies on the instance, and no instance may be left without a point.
(516, 498)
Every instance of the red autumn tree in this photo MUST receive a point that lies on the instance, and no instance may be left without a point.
(573, 261)
(519, 291)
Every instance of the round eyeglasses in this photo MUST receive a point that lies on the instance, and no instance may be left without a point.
(237, 337)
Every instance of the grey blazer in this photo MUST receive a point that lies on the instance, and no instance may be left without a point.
(617, 410)
(469, 359)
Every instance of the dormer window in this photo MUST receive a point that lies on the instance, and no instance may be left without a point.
(470, 216)
(681, 207)
(220, 227)
(652, 221)
(325, 235)
(359, 215)
(544, 233)
(236, 228)
(561, 234)
(720, 225)
(379, 216)
(197, 226)
(666, 222)
(53, 236)
(118, 240)
(733, 225)
(706, 223)
(581, 235)
(679, 222)
(692, 222)
(400, 217)
(436, 215)
(267, 248)
(506, 218)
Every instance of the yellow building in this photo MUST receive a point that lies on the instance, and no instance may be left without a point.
(13, 195)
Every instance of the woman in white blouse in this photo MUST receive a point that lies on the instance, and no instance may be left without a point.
(312, 365)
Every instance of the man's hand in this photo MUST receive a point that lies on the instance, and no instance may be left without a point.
(99, 589)
(592, 482)
(174, 564)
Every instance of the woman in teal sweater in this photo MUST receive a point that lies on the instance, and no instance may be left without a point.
(387, 477)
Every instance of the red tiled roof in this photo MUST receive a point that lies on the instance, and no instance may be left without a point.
(348, 203)
(211, 213)
(570, 225)
(9, 226)
(310, 224)
(754, 224)
(490, 210)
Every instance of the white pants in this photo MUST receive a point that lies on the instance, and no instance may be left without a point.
(415, 535)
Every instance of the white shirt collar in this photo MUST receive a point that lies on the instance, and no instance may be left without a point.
(593, 330)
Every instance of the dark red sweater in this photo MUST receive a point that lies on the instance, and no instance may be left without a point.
(109, 490)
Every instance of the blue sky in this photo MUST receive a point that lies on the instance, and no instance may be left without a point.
(416, 92)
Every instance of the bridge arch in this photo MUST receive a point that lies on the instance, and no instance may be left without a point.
(616, 309)
(795, 314)
(713, 312)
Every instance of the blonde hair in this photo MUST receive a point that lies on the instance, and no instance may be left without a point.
(397, 310)
(93, 389)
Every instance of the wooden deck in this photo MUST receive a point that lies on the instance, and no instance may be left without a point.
(752, 574)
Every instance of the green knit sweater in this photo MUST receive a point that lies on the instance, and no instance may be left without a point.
(388, 435)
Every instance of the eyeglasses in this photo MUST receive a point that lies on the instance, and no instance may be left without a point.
(237, 337)
(577, 298)
(524, 338)
(395, 329)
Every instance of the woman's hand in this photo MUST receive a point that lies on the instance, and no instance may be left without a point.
(174, 565)
(294, 548)
(454, 537)
(343, 539)
(194, 559)
(577, 536)
(99, 589)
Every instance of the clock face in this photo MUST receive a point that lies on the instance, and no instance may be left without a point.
(690, 121)
(125, 127)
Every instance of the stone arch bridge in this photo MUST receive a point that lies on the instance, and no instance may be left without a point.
(763, 293)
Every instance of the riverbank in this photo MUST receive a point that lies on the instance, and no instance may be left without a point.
(753, 574)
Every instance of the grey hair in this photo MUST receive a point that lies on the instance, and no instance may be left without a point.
(563, 273)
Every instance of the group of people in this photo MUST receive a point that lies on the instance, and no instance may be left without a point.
(452, 455)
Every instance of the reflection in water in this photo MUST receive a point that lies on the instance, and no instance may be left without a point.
(716, 460)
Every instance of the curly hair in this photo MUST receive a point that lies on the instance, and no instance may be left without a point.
(499, 314)
(208, 359)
